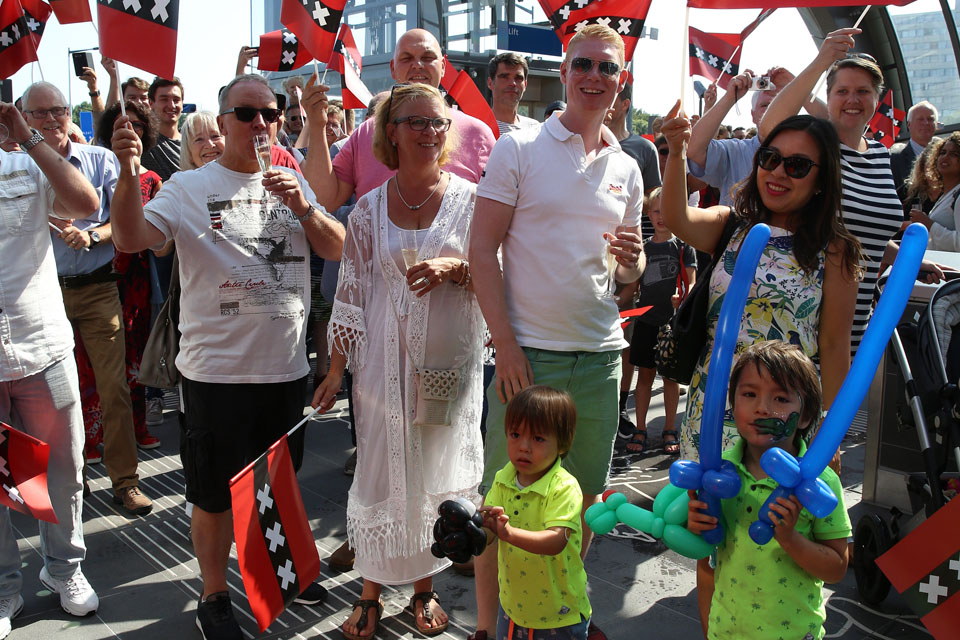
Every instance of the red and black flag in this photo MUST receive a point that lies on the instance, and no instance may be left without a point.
(315, 22)
(280, 50)
(770, 4)
(885, 123)
(141, 33)
(924, 568)
(756, 23)
(714, 53)
(449, 75)
(467, 96)
(275, 548)
(21, 25)
(23, 474)
(347, 60)
(626, 17)
(71, 11)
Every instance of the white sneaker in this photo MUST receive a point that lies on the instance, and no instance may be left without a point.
(154, 412)
(10, 608)
(77, 597)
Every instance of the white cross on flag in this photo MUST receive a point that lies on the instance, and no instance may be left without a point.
(625, 16)
(347, 60)
(315, 22)
(17, 20)
(712, 52)
(280, 50)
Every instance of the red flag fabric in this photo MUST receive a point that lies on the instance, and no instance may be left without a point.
(140, 34)
(626, 17)
(275, 548)
(768, 4)
(925, 568)
(347, 60)
(23, 474)
(885, 123)
(466, 94)
(71, 11)
(315, 22)
(713, 53)
(280, 50)
(449, 75)
(17, 19)
(756, 23)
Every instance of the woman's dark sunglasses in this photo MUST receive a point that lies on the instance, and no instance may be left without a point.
(419, 123)
(584, 65)
(794, 166)
(247, 114)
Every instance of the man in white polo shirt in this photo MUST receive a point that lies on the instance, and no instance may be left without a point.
(547, 198)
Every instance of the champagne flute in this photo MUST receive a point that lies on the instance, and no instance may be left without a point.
(261, 144)
(613, 228)
(411, 255)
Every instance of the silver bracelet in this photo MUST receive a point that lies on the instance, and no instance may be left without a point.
(310, 210)
(466, 278)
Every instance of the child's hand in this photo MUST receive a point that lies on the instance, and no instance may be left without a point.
(491, 518)
(784, 514)
(675, 300)
(697, 521)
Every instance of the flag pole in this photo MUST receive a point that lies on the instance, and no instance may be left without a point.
(684, 57)
(287, 435)
(813, 94)
(116, 73)
(724, 70)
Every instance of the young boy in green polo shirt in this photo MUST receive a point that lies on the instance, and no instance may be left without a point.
(534, 509)
(775, 590)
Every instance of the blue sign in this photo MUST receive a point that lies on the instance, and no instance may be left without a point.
(86, 125)
(529, 39)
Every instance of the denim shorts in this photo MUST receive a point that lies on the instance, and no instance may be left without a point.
(593, 380)
(508, 630)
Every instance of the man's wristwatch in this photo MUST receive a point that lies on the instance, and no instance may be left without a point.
(95, 94)
(35, 139)
(310, 211)
(94, 238)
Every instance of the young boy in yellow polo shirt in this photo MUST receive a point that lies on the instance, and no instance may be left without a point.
(772, 591)
(534, 509)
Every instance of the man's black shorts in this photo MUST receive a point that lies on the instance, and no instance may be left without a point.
(224, 427)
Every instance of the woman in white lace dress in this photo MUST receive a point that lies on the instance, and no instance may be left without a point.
(388, 321)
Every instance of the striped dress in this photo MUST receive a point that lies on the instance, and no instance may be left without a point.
(873, 213)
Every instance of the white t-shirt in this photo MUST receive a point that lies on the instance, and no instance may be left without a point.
(554, 273)
(521, 122)
(244, 275)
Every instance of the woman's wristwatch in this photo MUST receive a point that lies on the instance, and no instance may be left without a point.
(465, 280)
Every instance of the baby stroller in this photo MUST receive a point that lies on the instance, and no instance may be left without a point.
(928, 354)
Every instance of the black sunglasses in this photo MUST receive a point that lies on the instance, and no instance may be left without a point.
(419, 123)
(247, 114)
(795, 166)
(606, 67)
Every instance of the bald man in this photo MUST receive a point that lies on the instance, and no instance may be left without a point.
(354, 171)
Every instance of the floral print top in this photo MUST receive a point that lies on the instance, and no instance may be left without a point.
(783, 304)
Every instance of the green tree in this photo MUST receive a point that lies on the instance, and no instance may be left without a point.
(642, 120)
(83, 106)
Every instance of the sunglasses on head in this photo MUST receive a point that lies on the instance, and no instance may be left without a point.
(606, 67)
(247, 114)
(794, 166)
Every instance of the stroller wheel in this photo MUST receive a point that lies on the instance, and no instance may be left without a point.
(870, 541)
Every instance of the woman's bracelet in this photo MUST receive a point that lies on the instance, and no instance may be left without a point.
(465, 280)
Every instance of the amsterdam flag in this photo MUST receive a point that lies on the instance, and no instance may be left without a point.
(23, 474)
(885, 123)
(141, 33)
(315, 22)
(17, 20)
(774, 4)
(347, 60)
(280, 50)
(713, 53)
(924, 568)
(626, 17)
(275, 547)
(467, 96)
(71, 11)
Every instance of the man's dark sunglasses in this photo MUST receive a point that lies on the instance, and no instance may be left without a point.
(606, 67)
(795, 166)
(247, 114)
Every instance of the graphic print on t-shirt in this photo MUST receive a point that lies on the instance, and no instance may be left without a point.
(269, 278)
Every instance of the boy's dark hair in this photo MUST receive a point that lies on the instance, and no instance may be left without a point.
(544, 410)
(144, 114)
(789, 367)
(160, 83)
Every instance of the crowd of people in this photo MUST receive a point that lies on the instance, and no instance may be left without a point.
(409, 247)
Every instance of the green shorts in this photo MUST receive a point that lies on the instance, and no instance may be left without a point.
(593, 380)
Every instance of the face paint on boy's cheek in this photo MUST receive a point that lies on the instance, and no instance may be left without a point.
(778, 428)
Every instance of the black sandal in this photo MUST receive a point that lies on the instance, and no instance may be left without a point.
(365, 606)
(636, 439)
(424, 598)
(672, 447)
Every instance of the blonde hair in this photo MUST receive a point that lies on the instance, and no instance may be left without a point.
(598, 32)
(198, 121)
(383, 148)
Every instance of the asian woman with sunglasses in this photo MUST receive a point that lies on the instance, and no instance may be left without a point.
(805, 287)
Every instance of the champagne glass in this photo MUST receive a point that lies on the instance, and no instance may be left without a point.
(613, 228)
(411, 255)
(261, 144)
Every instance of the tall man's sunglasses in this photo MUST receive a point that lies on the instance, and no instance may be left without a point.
(606, 67)
(794, 166)
(247, 114)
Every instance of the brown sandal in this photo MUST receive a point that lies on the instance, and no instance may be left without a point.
(365, 606)
(424, 598)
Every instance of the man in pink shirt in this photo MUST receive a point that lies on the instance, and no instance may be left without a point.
(417, 58)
